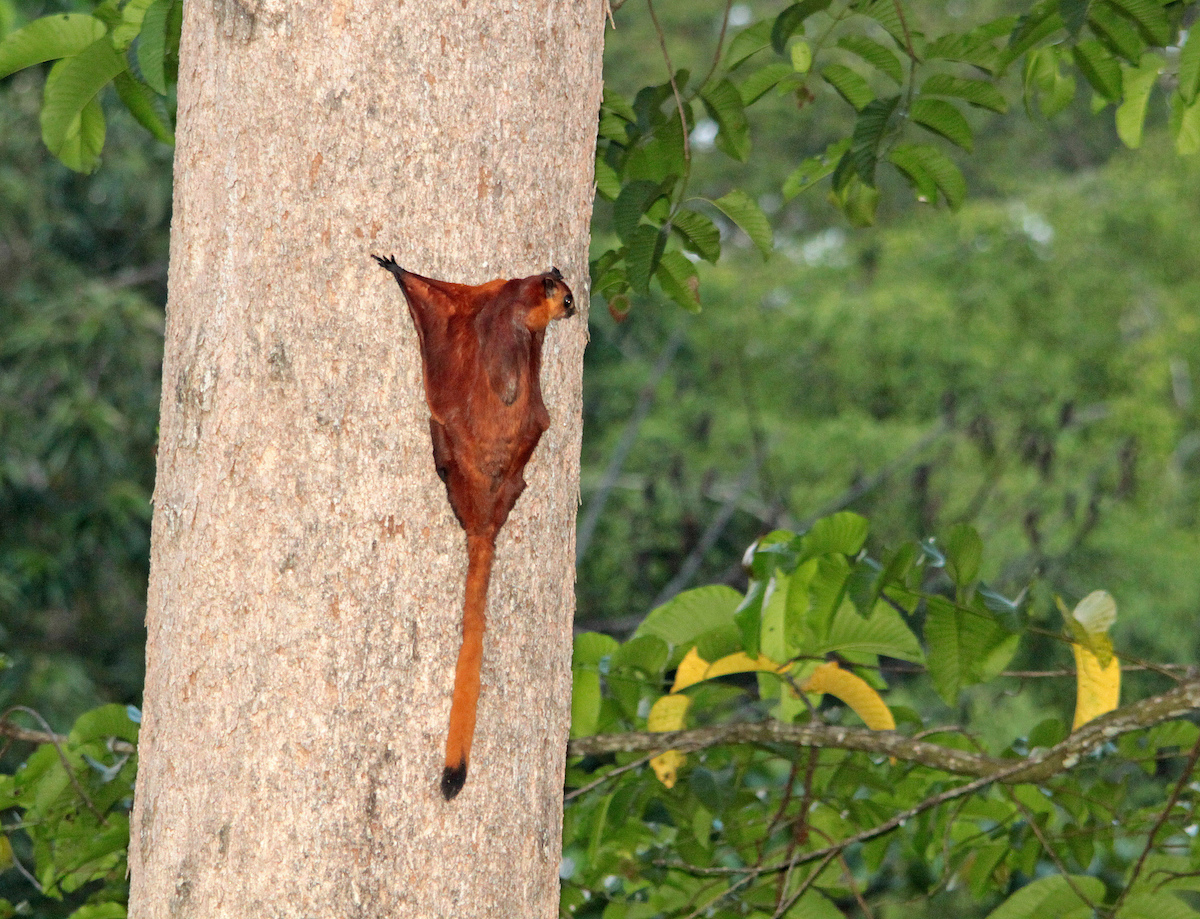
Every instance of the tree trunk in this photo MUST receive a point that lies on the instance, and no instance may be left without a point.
(307, 573)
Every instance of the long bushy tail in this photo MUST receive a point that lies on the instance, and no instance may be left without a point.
(480, 551)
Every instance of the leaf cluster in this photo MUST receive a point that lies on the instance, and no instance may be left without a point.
(66, 821)
(131, 44)
(909, 94)
(773, 830)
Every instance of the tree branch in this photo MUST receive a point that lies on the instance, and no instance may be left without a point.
(1039, 766)
(16, 732)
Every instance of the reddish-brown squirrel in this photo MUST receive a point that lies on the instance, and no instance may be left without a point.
(481, 351)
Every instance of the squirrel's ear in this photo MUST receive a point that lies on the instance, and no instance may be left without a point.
(551, 286)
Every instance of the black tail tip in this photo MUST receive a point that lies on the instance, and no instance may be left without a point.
(453, 779)
(389, 263)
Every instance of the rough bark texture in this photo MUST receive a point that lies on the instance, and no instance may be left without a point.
(307, 573)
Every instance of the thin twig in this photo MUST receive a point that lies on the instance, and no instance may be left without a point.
(591, 516)
(704, 907)
(853, 885)
(662, 42)
(720, 44)
(1031, 819)
(58, 741)
(711, 534)
(1184, 778)
(808, 882)
(612, 773)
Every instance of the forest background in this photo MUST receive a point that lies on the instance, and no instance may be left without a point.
(1025, 364)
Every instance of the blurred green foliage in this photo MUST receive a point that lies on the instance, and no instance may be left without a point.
(82, 279)
(1025, 365)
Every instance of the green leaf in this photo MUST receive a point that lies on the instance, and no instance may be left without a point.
(773, 638)
(100, 911)
(130, 25)
(856, 199)
(1044, 77)
(1155, 906)
(677, 277)
(617, 104)
(748, 42)
(813, 905)
(942, 118)
(1116, 32)
(724, 104)
(647, 653)
(869, 130)
(802, 56)
(1185, 125)
(977, 47)
(612, 128)
(1074, 14)
(142, 104)
(762, 81)
(699, 234)
(965, 647)
(592, 647)
(814, 169)
(1040, 23)
(975, 92)
(885, 13)
(1050, 896)
(72, 121)
(103, 723)
(849, 83)
(641, 261)
(661, 158)
(1131, 114)
(1189, 67)
(791, 19)
(1099, 67)
(1149, 17)
(48, 39)
(741, 209)
(158, 43)
(964, 552)
(883, 633)
(826, 595)
(684, 617)
(843, 533)
(633, 202)
(608, 183)
(878, 56)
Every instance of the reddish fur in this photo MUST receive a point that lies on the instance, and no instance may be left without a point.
(481, 352)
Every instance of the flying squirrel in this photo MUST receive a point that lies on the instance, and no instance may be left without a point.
(481, 354)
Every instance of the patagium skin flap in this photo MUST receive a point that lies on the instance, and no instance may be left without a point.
(481, 353)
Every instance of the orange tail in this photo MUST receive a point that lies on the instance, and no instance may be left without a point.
(480, 550)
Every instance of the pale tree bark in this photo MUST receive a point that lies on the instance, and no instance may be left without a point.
(307, 573)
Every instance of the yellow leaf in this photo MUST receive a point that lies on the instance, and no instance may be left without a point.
(666, 766)
(667, 714)
(1097, 686)
(855, 692)
(691, 670)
